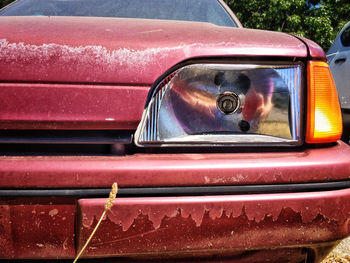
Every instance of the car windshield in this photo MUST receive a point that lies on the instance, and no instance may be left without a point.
(186, 10)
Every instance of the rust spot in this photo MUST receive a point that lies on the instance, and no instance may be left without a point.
(53, 212)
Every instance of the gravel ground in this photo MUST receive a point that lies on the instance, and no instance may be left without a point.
(340, 254)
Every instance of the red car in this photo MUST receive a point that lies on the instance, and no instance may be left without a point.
(224, 141)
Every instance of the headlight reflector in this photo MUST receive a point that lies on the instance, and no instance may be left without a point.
(225, 104)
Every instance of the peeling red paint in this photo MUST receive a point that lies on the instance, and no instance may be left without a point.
(34, 228)
(53, 212)
(212, 223)
(124, 57)
(332, 205)
(6, 242)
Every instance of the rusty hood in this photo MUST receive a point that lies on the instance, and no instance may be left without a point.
(113, 50)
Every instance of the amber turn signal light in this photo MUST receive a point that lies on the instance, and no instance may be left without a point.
(324, 121)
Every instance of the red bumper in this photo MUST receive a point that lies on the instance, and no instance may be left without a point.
(216, 224)
(147, 170)
(174, 226)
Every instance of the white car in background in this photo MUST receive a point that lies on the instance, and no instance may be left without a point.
(339, 62)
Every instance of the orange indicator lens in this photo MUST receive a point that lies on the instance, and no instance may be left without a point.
(324, 121)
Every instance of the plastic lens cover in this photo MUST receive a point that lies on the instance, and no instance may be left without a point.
(224, 104)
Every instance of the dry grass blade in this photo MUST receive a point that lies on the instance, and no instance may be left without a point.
(108, 206)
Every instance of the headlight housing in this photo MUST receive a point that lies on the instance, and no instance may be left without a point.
(225, 105)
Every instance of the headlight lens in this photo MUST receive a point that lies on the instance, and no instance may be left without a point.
(224, 104)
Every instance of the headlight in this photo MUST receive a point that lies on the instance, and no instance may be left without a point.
(224, 104)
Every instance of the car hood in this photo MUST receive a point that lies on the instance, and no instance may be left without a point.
(122, 51)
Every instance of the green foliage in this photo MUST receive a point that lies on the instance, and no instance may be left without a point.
(318, 20)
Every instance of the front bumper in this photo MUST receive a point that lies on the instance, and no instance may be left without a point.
(205, 225)
(176, 227)
(158, 170)
(57, 227)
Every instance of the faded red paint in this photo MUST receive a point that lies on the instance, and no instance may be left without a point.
(120, 51)
(309, 165)
(215, 224)
(63, 106)
(315, 51)
(95, 73)
(130, 52)
(293, 255)
(37, 228)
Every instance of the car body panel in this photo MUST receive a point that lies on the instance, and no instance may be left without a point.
(198, 225)
(119, 51)
(130, 53)
(150, 170)
(67, 106)
(341, 75)
(337, 44)
(95, 73)
(339, 62)
(314, 50)
(346, 125)
(338, 57)
(37, 228)
(213, 224)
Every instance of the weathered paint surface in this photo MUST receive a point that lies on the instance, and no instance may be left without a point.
(292, 255)
(115, 51)
(64, 106)
(311, 165)
(118, 53)
(112, 50)
(37, 228)
(215, 224)
(314, 49)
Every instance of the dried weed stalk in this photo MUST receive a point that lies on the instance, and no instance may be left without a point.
(108, 206)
